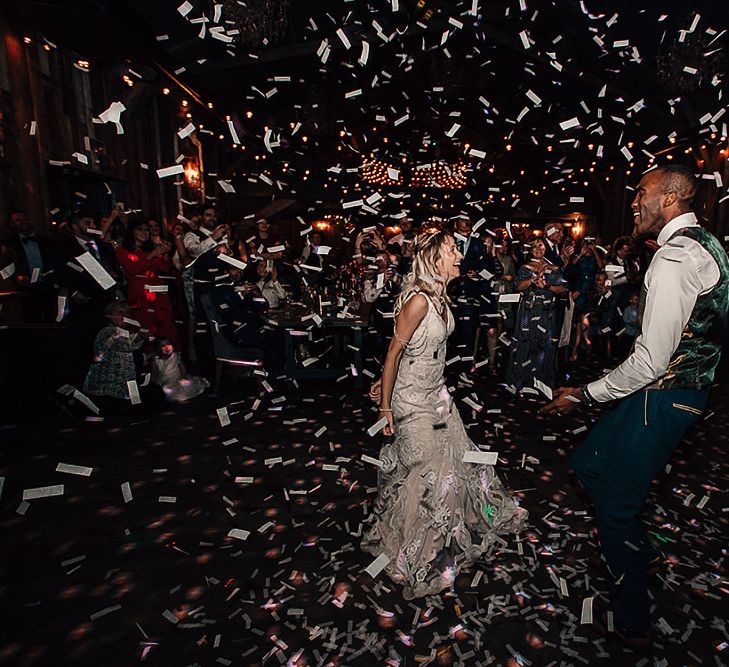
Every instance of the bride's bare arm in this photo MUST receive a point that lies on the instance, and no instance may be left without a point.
(407, 322)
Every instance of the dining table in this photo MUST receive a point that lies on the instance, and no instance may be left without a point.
(298, 320)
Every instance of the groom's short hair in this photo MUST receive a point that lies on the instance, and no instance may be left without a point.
(679, 179)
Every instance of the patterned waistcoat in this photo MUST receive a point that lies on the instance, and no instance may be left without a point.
(694, 362)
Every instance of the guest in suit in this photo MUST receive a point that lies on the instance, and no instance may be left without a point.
(86, 299)
(553, 236)
(558, 254)
(472, 292)
(32, 267)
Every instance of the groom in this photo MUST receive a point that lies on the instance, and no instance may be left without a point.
(663, 387)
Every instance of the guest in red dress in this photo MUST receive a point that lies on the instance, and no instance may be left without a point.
(148, 270)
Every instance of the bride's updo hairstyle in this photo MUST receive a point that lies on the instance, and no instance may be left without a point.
(423, 276)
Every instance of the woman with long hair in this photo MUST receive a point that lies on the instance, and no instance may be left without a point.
(146, 267)
(435, 514)
(535, 338)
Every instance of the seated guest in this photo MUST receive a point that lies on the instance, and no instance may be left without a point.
(534, 343)
(310, 253)
(114, 364)
(169, 372)
(146, 267)
(240, 307)
(265, 245)
(268, 284)
(314, 265)
(31, 267)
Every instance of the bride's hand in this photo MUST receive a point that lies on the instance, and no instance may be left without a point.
(389, 428)
(376, 391)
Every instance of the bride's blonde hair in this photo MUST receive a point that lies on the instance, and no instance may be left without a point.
(423, 276)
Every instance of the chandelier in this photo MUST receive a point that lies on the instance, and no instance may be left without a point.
(258, 22)
(436, 175)
(377, 172)
(440, 175)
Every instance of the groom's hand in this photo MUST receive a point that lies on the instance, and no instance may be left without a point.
(565, 399)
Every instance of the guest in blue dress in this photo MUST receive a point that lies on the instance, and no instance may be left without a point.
(534, 343)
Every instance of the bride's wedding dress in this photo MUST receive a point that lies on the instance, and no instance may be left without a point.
(435, 514)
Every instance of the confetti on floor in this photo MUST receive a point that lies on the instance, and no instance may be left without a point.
(190, 543)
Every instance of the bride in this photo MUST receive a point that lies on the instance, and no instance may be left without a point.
(435, 514)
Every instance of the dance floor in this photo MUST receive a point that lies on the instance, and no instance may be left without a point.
(175, 540)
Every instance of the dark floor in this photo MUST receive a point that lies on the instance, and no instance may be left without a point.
(90, 579)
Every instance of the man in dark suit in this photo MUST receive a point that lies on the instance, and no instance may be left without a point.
(472, 291)
(86, 299)
(32, 267)
(553, 235)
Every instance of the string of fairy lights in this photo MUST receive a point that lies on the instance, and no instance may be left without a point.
(709, 149)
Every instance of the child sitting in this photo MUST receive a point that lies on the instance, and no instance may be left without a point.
(168, 371)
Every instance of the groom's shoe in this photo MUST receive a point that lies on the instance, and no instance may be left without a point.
(642, 644)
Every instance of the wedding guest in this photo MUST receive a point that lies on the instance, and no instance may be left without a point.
(374, 284)
(268, 283)
(146, 267)
(553, 236)
(240, 306)
(617, 269)
(585, 266)
(32, 267)
(597, 321)
(115, 364)
(266, 243)
(314, 265)
(534, 342)
(489, 317)
(471, 292)
(169, 372)
(505, 285)
(86, 298)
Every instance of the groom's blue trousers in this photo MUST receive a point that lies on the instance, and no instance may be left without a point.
(622, 455)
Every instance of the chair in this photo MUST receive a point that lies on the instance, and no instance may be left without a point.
(225, 351)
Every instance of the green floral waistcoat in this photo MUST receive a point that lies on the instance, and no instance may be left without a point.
(695, 360)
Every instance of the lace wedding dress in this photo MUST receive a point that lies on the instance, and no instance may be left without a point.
(435, 515)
